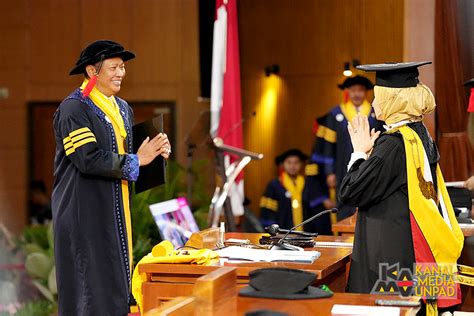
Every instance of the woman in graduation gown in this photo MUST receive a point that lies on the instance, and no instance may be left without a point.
(405, 215)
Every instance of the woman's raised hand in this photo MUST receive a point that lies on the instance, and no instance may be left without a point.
(362, 137)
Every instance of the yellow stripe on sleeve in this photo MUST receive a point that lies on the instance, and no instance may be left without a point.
(70, 151)
(77, 139)
(68, 145)
(84, 141)
(326, 133)
(269, 203)
(76, 132)
(82, 136)
(312, 169)
(79, 131)
(465, 269)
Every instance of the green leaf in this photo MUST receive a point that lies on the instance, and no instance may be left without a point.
(50, 236)
(46, 293)
(32, 248)
(39, 265)
(53, 287)
(36, 308)
(36, 234)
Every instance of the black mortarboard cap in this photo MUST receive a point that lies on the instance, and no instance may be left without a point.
(357, 80)
(97, 51)
(395, 75)
(283, 283)
(291, 152)
(469, 83)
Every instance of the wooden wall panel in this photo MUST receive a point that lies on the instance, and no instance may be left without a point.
(42, 39)
(13, 74)
(310, 40)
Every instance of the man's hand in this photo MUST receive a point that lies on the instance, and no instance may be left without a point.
(331, 180)
(329, 204)
(150, 149)
(469, 184)
(362, 137)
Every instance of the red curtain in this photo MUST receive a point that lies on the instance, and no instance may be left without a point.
(457, 160)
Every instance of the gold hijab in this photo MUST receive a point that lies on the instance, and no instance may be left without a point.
(401, 104)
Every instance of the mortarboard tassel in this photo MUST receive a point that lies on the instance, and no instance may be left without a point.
(90, 85)
(315, 126)
(470, 107)
(346, 95)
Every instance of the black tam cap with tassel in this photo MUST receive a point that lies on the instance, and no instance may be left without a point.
(97, 52)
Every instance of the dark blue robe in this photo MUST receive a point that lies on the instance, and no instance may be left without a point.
(90, 237)
(337, 153)
(315, 189)
(275, 208)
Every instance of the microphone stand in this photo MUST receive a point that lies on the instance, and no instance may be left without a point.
(228, 176)
(281, 243)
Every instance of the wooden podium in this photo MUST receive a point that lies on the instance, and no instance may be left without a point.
(217, 294)
(167, 281)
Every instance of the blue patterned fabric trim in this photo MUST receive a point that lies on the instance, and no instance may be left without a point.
(321, 159)
(131, 168)
(317, 201)
(336, 110)
(266, 222)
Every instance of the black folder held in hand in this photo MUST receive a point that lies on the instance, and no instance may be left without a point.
(153, 174)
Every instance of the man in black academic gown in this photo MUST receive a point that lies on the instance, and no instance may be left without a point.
(94, 168)
(334, 138)
(282, 201)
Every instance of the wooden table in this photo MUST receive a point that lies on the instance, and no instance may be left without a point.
(467, 229)
(346, 227)
(217, 294)
(234, 305)
(166, 281)
(323, 306)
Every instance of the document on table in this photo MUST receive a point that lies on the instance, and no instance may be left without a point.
(334, 244)
(360, 310)
(263, 255)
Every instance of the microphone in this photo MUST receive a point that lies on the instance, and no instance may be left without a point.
(274, 230)
(281, 243)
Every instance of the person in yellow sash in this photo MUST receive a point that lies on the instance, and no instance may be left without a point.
(282, 201)
(405, 219)
(94, 168)
(333, 138)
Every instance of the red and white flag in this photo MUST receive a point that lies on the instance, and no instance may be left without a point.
(226, 103)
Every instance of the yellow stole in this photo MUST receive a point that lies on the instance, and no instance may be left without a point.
(444, 236)
(112, 111)
(442, 233)
(296, 190)
(350, 110)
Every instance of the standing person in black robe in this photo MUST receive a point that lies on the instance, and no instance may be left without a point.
(94, 168)
(405, 215)
(282, 201)
(333, 135)
(315, 195)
